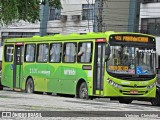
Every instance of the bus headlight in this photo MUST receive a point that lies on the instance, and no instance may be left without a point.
(151, 86)
(114, 84)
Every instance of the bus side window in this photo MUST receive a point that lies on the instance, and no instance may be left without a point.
(30, 53)
(8, 53)
(84, 52)
(69, 53)
(42, 52)
(55, 52)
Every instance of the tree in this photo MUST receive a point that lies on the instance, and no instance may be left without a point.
(27, 10)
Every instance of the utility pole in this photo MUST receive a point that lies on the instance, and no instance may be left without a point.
(44, 14)
(134, 11)
(97, 27)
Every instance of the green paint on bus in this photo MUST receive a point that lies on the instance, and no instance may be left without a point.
(110, 64)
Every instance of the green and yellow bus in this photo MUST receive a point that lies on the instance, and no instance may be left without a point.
(117, 65)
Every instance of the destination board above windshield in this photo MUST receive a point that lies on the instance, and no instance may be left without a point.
(131, 38)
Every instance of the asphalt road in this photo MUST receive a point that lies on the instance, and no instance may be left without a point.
(56, 106)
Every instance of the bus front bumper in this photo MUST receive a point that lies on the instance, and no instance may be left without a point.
(111, 91)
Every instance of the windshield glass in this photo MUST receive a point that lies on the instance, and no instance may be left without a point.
(132, 60)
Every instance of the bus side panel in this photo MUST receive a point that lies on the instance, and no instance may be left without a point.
(39, 73)
(7, 74)
(86, 75)
(54, 84)
(27, 72)
(68, 78)
(8, 65)
(41, 76)
(64, 79)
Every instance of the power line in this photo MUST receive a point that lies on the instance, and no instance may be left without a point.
(112, 8)
(80, 26)
(109, 20)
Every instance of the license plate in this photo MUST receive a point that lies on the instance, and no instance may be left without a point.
(134, 91)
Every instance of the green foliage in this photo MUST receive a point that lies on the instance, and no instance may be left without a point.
(27, 10)
(55, 3)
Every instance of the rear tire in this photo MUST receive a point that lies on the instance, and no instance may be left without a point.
(83, 91)
(156, 101)
(29, 86)
(125, 101)
(1, 87)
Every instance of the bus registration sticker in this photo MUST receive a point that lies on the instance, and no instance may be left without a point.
(134, 91)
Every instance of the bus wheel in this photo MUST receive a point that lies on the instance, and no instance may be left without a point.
(156, 101)
(83, 91)
(30, 86)
(125, 101)
(1, 87)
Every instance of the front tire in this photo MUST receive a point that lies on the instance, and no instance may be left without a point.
(83, 91)
(156, 101)
(29, 86)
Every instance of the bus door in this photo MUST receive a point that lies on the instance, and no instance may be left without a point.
(17, 70)
(99, 66)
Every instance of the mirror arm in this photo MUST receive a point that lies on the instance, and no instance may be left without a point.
(108, 52)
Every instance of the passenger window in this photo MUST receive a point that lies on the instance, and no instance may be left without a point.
(30, 53)
(42, 52)
(85, 52)
(8, 53)
(55, 52)
(69, 53)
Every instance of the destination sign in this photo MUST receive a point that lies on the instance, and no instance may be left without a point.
(119, 68)
(132, 38)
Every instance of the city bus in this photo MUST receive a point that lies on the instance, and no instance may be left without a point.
(112, 64)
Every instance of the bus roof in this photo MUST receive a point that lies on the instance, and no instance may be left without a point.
(74, 36)
(58, 37)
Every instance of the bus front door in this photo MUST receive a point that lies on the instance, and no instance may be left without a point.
(17, 72)
(99, 68)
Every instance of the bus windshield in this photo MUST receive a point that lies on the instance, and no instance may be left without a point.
(132, 60)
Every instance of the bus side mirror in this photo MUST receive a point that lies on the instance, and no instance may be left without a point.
(107, 52)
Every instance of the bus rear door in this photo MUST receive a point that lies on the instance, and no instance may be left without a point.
(17, 70)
